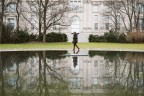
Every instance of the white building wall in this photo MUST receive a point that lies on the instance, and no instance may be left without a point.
(85, 14)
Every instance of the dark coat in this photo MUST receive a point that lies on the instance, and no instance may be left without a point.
(75, 38)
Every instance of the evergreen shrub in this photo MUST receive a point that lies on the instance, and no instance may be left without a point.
(108, 37)
(96, 38)
(122, 38)
(111, 36)
(20, 36)
(56, 37)
(6, 34)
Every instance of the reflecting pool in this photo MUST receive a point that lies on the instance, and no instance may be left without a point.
(64, 73)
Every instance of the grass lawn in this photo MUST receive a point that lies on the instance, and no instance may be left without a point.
(68, 45)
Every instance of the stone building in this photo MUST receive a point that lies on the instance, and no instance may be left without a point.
(88, 17)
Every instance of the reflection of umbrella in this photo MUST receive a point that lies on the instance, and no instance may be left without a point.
(74, 61)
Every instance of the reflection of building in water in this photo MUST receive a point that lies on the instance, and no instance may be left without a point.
(92, 75)
(85, 74)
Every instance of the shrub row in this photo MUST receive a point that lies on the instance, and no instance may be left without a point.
(131, 37)
(56, 37)
(108, 37)
(13, 36)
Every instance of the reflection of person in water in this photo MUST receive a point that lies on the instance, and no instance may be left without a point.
(76, 52)
(75, 61)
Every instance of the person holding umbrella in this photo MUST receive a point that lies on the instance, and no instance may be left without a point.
(75, 41)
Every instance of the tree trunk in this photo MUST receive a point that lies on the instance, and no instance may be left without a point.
(40, 74)
(1, 19)
(44, 37)
(44, 19)
(18, 14)
(45, 75)
(2, 77)
(40, 17)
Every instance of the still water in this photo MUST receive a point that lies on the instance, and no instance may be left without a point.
(61, 73)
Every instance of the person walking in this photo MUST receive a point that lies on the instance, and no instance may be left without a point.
(75, 40)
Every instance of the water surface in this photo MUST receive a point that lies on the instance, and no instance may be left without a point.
(53, 73)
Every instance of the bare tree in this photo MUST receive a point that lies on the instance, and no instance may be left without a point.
(2, 2)
(18, 11)
(114, 7)
(128, 11)
(53, 12)
(47, 13)
(132, 11)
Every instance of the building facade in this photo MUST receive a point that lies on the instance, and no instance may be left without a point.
(87, 17)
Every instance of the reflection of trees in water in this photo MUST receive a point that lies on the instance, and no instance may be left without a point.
(109, 55)
(127, 70)
(132, 78)
(47, 81)
(8, 60)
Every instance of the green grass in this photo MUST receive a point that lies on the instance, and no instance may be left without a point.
(109, 46)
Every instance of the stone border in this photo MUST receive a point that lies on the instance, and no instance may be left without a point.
(96, 49)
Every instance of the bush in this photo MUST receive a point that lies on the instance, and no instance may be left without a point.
(33, 37)
(56, 37)
(13, 36)
(20, 36)
(111, 37)
(6, 33)
(96, 38)
(122, 38)
(135, 37)
(92, 38)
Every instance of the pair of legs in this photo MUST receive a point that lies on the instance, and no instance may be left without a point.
(75, 45)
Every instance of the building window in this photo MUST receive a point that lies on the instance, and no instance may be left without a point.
(107, 26)
(95, 71)
(33, 6)
(11, 22)
(95, 63)
(75, 4)
(95, 81)
(75, 83)
(106, 8)
(11, 81)
(75, 24)
(95, 22)
(107, 72)
(11, 7)
(32, 26)
(118, 18)
(107, 18)
(95, 8)
(118, 26)
(12, 68)
(140, 7)
(96, 18)
(32, 19)
(141, 23)
(96, 26)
